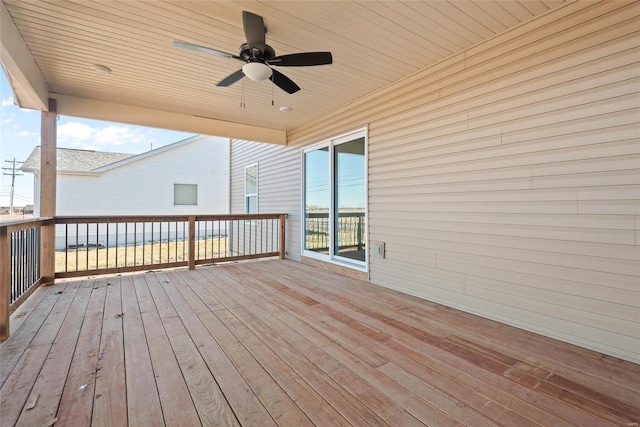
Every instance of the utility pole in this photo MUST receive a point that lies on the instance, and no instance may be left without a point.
(13, 174)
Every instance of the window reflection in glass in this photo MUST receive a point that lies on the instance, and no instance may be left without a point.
(317, 200)
(349, 172)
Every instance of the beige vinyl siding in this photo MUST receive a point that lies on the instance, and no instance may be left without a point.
(505, 181)
(279, 172)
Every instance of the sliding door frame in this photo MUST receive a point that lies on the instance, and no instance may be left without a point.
(333, 214)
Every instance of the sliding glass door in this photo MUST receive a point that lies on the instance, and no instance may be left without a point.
(335, 200)
(349, 200)
(317, 190)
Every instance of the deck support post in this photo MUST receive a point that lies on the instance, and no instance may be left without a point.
(48, 176)
(282, 223)
(192, 243)
(5, 282)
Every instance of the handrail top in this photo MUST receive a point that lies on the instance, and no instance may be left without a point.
(161, 218)
(23, 224)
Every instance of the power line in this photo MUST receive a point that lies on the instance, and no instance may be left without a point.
(13, 174)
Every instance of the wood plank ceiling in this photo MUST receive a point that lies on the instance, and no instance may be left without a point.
(374, 44)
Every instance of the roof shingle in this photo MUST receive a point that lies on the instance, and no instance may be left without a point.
(70, 159)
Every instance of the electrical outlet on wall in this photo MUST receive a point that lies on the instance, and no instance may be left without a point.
(378, 249)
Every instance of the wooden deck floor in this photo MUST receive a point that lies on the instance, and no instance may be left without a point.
(280, 343)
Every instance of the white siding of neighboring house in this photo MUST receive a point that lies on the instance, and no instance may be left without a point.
(505, 181)
(145, 186)
(36, 194)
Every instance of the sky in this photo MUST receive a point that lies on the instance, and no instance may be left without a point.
(349, 175)
(20, 133)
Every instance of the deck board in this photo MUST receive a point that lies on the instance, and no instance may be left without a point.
(282, 343)
(110, 395)
(143, 402)
(51, 379)
(76, 403)
(17, 388)
(246, 406)
(177, 406)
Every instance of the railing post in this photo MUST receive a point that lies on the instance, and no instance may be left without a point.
(5, 282)
(48, 174)
(282, 223)
(192, 243)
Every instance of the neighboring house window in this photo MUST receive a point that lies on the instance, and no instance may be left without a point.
(185, 194)
(251, 189)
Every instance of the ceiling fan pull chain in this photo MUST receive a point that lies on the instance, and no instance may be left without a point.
(242, 104)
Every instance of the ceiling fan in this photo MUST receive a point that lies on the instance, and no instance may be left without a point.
(259, 57)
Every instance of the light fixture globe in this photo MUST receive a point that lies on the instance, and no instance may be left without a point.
(257, 71)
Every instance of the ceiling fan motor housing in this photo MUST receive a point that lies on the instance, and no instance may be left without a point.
(246, 54)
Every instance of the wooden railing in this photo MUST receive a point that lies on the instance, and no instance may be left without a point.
(114, 244)
(20, 273)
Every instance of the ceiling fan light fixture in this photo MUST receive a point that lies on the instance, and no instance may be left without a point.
(257, 71)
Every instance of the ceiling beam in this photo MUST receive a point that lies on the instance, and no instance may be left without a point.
(122, 113)
(20, 65)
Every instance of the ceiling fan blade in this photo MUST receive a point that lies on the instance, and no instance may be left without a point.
(284, 82)
(302, 59)
(190, 46)
(231, 79)
(254, 31)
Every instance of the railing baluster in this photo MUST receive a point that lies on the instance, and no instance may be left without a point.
(108, 246)
(12, 266)
(117, 240)
(97, 244)
(78, 247)
(213, 237)
(23, 265)
(66, 247)
(135, 242)
(30, 277)
(192, 246)
(26, 272)
(126, 247)
(282, 237)
(184, 244)
(18, 259)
